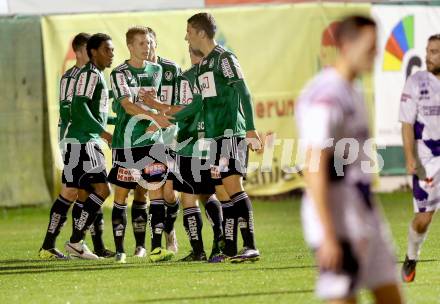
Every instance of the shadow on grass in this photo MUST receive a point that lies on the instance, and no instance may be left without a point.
(65, 267)
(76, 268)
(21, 261)
(79, 266)
(226, 296)
(420, 261)
(256, 268)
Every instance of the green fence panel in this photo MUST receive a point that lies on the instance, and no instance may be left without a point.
(23, 179)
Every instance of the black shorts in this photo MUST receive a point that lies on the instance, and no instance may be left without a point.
(133, 164)
(84, 165)
(191, 175)
(230, 157)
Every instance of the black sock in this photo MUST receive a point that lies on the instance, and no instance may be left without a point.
(214, 214)
(76, 212)
(245, 212)
(96, 231)
(57, 219)
(139, 219)
(86, 217)
(119, 222)
(230, 226)
(157, 219)
(171, 215)
(192, 221)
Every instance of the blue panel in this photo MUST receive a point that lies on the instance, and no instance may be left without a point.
(399, 35)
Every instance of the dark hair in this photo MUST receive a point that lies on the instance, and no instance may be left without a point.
(153, 33)
(95, 42)
(80, 40)
(204, 22)
(351, 26)
(434, 37)
(135, 30)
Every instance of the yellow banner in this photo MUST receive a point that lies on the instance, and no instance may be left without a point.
(279, 49)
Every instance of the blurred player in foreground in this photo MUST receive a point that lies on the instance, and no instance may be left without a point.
(341, 222)
(420, 118)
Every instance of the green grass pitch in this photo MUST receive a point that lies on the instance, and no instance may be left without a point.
(285, 273)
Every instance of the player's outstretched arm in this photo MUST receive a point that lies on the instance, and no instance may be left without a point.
(133, 109)
(329, 254)
(149, 98)
(190, 110)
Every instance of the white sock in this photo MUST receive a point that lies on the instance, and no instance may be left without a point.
(415, 241)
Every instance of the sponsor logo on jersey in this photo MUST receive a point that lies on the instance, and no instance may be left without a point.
(122, 84)
(204, 62)
(211, 63)
(405, 97)
(81, 84)
(155, 169)
(226, 68)
(424, 94)
(92, 85)
(207, 84)
(185, 93)
(196, 90)
(104, 102)
(168, 75)
(166, 94)
(431, 110)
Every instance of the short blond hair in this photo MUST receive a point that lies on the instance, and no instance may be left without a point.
(135, 30)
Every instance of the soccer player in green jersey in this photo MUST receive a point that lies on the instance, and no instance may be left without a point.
(167, 98)
(190, 175)
(84, 163)
(58, 212)
(131, 144)
(228, 119)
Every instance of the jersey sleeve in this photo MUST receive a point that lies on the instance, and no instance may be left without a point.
(246, 103)
(86, 84)
(84, 89)
(120, 86)
(190, 110)
(319, 121)
(408, 102)
(67, 87)
(230, 68)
